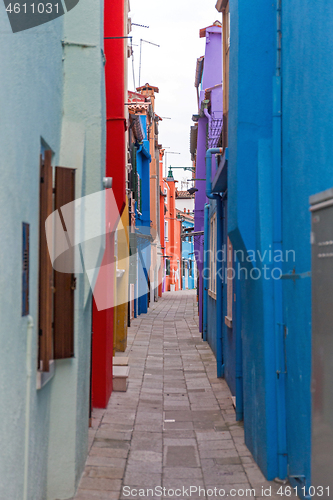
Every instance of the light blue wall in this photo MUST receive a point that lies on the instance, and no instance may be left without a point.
(83, 147)
(43, 89)
(31, 107)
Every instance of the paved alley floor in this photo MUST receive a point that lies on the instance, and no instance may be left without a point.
(175, 426)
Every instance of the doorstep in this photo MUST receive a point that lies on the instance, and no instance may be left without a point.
(120, 360)
(120, 376)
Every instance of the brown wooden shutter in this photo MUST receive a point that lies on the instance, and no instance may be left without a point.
(45, 266)
(64, 282)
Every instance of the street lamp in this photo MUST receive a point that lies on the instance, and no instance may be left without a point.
(166, 164)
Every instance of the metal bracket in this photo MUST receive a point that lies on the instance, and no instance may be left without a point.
(293, 276)
(285, 332)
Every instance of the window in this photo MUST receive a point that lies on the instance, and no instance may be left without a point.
(191, 268)
(212, 256)
(228, 318)
(56, 289)
(167, 267)
(64, 282)
(166, 230)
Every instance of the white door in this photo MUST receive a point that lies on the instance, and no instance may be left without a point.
(178, 274)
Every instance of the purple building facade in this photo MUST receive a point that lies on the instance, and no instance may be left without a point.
(208, 82)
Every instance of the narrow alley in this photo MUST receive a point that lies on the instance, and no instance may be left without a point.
(175, 426)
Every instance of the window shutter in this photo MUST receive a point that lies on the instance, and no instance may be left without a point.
(64, 282)
(45, 266)
(167, 272)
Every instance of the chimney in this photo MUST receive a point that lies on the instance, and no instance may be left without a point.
(184, 210)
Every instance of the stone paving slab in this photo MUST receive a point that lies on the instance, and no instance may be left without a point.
(175, 426)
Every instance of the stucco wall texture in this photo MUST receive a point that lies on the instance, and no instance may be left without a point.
(50, 94)
(307, 153)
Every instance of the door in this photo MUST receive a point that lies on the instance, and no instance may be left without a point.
(186, 275)
(178, 274)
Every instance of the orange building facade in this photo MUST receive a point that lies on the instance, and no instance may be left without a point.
(162, 197)
(172, 237)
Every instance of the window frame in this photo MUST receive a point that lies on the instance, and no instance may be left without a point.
(55, 319)
(212, 257)
(167, 267)
(166, 230)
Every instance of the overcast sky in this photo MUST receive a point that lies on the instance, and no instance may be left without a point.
(174, 25)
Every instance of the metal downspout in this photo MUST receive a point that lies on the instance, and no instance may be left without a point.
(277, 245)
(208, 116)
(205, 271)
(209, 154)
(27, 407)
(239, 357)
(219, 289)
(219, 284)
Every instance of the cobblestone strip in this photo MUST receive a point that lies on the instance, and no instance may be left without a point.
(175, 426)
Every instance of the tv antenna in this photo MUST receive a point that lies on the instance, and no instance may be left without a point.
(151, 43)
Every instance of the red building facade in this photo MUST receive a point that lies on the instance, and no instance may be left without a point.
(115, 48)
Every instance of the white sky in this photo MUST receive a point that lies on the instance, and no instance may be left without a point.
(174, 25)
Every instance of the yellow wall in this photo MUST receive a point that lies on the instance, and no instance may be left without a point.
(121, 284)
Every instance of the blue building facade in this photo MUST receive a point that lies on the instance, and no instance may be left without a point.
(141, 188)
(276, 152)
(219, 311)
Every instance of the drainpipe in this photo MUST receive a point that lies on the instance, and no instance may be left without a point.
(207, 115)
(239, 356)
(205, 277)
(277, 246)
(219, 290)
(219, 284)
(209, 154)
(27, 407)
